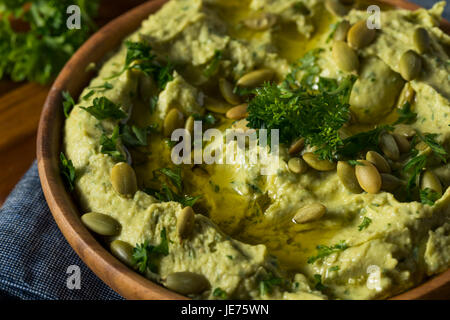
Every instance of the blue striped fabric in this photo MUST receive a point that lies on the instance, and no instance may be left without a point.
(34, 255)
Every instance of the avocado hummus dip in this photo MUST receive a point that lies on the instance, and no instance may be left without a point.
(357, 205)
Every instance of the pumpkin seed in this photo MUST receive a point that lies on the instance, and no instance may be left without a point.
(216, 106)
(189, 125)
(390, 183)
(421, 40)
(226, 88)
(406, 95)
(101, 223)
(187, 282)
(238, 112)
(410, 65)
(123, 179)
(389, 146)
(430, 180)
(340, 34)
(297, 165)
(368, 177)
(402, 143)
(378, 161)
(346, 174)
(404, 130)
(173, 120)
(185, 222)
(310, 213)
(359, 36)
(122, 251)
(297, 146)
(345, 57)
(314, 162)
(336, 7)
(263, 22)
(255, 78)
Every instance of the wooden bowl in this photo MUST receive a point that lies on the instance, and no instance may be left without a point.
(73, 78)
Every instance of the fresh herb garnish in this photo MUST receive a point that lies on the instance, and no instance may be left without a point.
(166, 177)
(324, 251)
(68, 103)
(39, 52)
(108, 145)
(405, 115)
(140, 57)
(103, 108)
(314, 115)
(334, 268)
(266, 285)
(134, 136)
(414, 167)
(105, 86)
(365, 223)
(430, 140)
(213, 66)
(318, 285)
(153, 104)
(67, 171)
(146, 255)
(207, 118)
(219, 293)
(429, 196)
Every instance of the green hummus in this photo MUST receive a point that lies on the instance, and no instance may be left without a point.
(245, 241)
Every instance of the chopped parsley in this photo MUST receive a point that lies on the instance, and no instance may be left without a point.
(314, 115)
(134, 136)
(146, 255)
(68, 103)
(266, 286)
(334, 268)
(39, 52)
(67, 171)
(170, 187)
(213, 66)
(365, 223)
(405, 115)
(324, 251)
(429, 196)
(140, 57)
(219, 293)
(108, 145)
(103, 108)
(318, 285)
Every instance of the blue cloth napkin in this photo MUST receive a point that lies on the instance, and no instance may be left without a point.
(35, 256)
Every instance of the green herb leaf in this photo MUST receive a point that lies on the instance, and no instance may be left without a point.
(318, 285)
(324, 251)
(266, 285)
(405, 115)
(221, 294)
(213, 66)
(108, 145)
(67, 171)
(365, 223)
(38, 53)
(429, 196)
(103, 108)
(133, 136)
(146, 255)
(68, 103)
(430, 140)
(314, 115)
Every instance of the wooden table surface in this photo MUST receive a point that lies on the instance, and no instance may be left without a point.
(20, 108)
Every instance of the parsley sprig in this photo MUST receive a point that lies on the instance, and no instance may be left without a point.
(103, 108)
(40, 51)
(109, 145)
(146, 255)
(324, 251)
(170, 187)
(67, 171)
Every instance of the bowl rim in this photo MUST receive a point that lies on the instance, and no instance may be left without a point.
(114, 273)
